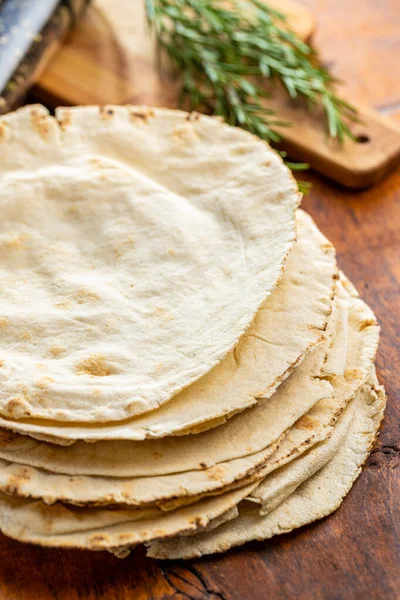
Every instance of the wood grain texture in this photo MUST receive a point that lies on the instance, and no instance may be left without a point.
(353, 164)
(126, 72)
(355, 553)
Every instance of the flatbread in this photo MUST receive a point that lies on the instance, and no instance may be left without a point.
(206, 464)
(339, 323)
(278, 486)
(290, 323)
(82, 490)
(316, 498)
(118, 223)
(159, 468)
(102, 529)
(316, 426)
(352, 349)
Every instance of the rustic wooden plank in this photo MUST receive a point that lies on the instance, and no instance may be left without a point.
(355, 553)
(354, 164)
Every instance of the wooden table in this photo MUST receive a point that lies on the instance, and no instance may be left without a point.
(355, 553)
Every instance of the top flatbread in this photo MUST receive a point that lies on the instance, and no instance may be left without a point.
(290, 322)
(136, 245)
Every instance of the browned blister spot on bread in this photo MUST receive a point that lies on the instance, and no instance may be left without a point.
(306, 422)
(217, 472)
(125, 537)
(17, 407)
(366, 323)
(197, 521)
(95, 365)
(15, 481)
(106, 112)
(16, 242)
(82, 296)
(353, 374)
(193, 117)
(64, 304)
(2, 132)
(26, 335)
(98, 540)
(3, 323)
(56, 351)
(44, 382)
(65, 119)
(41, 122)
(185, 131)
(141, 114)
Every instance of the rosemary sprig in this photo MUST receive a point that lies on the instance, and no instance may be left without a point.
(227, 52)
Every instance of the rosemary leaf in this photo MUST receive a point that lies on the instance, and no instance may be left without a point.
(227, 53)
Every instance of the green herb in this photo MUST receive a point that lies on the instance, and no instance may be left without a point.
(226, 53)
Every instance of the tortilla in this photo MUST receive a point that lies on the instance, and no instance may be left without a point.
(355, 354)
(184, 468)
(136, 246)
(32, 521)
(290, 323)
(228, 515)
(319, 496)
(352, 350)
(338, 332)
(82, 490)
(278, 486)
(102, 529)
(159, 468)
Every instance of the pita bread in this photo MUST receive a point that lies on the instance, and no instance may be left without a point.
(161, 466)
(289, 324)
(316, 498)
(352, 350)
(111, 531)
(190, 467)
(82, 490)
(103, 529)
(353, 354)
(337, 332)
(118, 223)
(274, 489)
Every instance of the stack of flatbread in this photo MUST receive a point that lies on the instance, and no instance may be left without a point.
(182, 364)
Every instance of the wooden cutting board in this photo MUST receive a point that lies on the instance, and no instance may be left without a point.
(109, 59)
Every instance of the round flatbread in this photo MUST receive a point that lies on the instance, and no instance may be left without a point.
(136, 246)
(248, 445)
(289, 324)
(104, 529)
(316, 498)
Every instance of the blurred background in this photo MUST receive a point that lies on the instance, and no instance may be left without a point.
(78, 52)
(73, 52)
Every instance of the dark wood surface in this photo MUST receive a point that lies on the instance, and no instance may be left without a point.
(355, 553)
